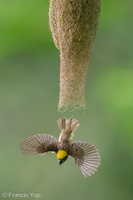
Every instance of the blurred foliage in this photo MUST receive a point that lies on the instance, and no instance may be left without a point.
(29, 88)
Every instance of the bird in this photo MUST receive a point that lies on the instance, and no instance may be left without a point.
(86, 155)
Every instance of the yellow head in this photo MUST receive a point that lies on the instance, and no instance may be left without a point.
(62, 156)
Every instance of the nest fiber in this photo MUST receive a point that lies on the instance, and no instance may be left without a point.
(73, 24)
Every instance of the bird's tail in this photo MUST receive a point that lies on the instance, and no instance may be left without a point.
(67, 127)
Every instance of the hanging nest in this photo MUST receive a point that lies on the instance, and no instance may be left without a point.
(73, 24)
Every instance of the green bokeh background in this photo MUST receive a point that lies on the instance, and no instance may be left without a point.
(29, 90)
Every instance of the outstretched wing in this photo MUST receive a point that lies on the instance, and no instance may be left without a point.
(38, 144)
(87, 157)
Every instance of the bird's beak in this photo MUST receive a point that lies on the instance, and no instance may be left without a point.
(60, 161)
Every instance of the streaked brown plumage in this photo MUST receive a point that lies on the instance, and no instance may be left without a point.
(86, 155)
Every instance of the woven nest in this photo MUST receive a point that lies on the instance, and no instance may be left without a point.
(73, 24)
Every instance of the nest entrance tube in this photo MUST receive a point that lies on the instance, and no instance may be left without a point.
(73, 24)
(72, 85)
